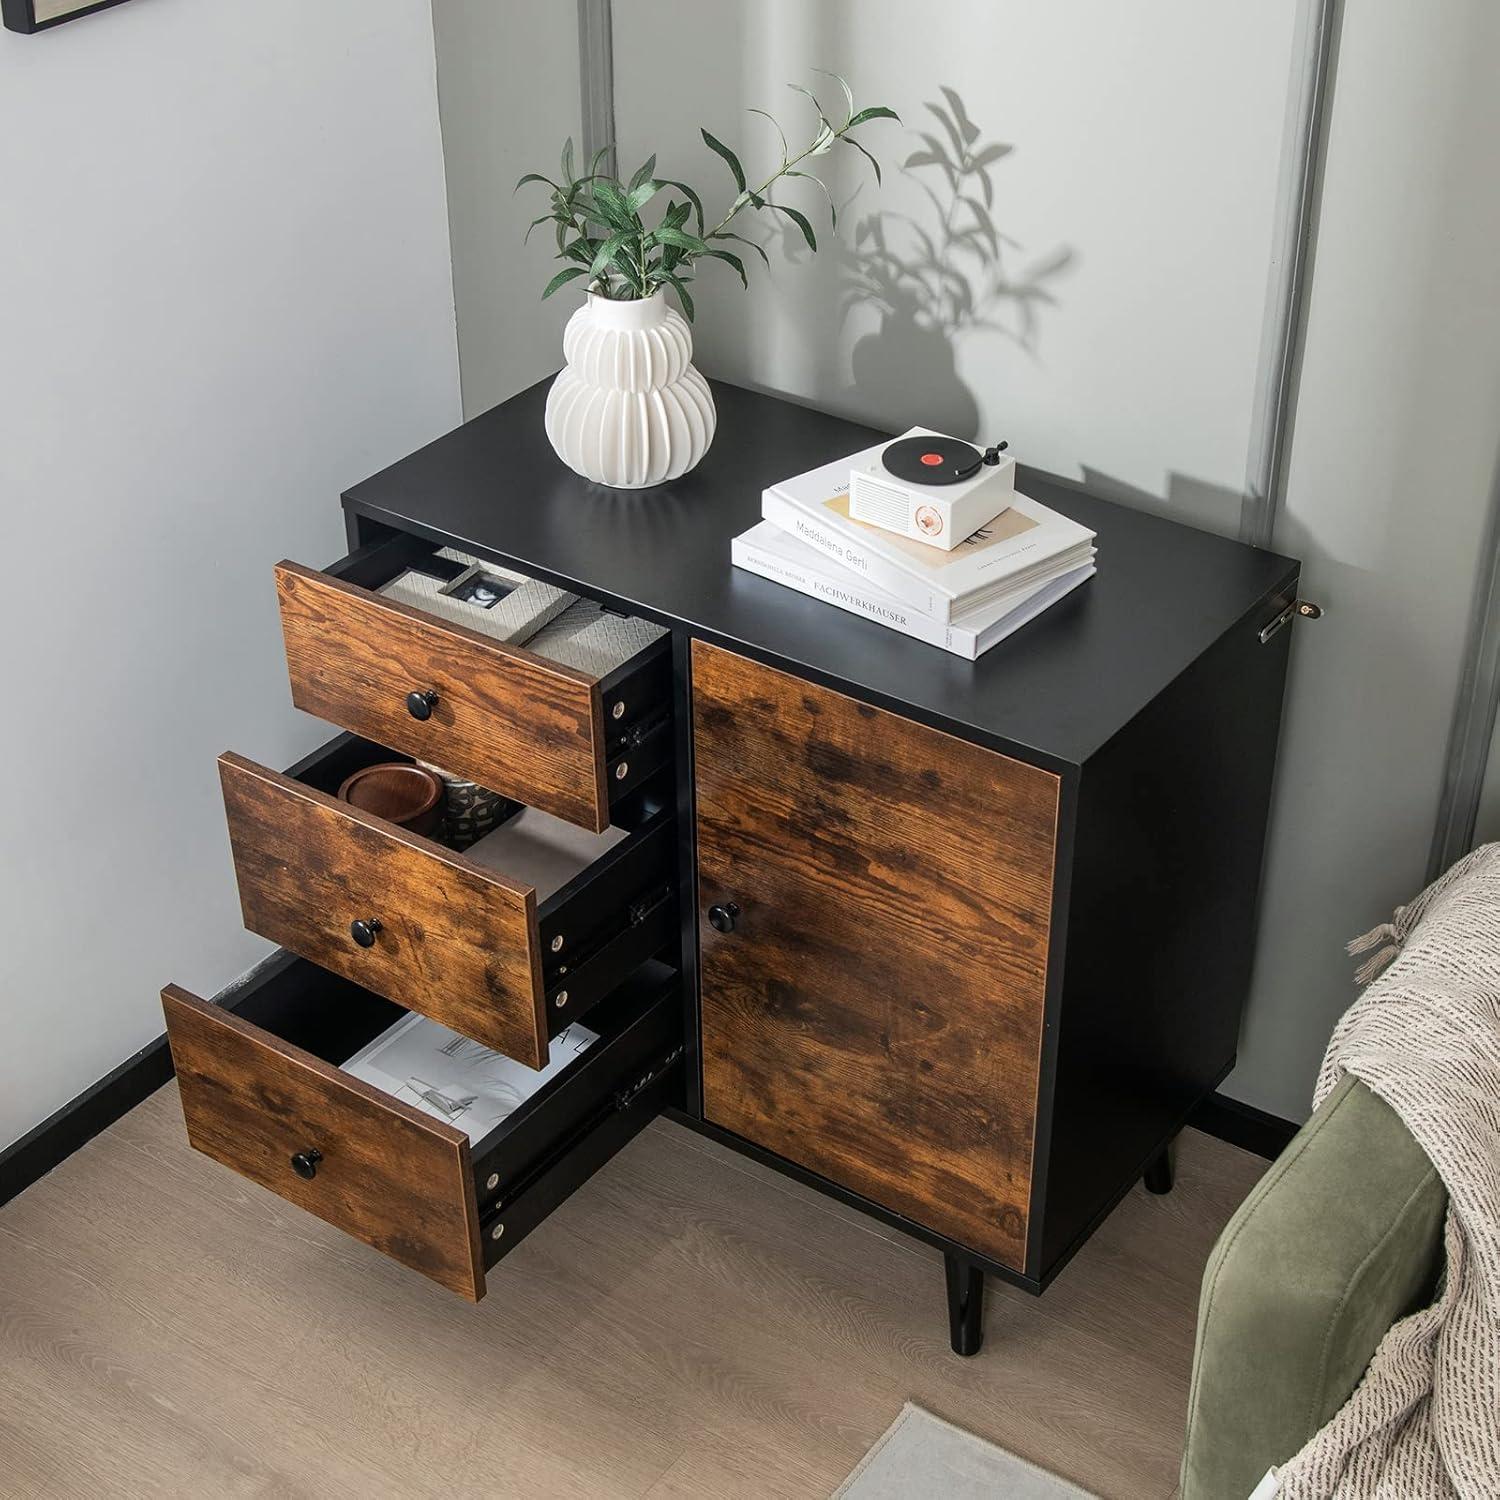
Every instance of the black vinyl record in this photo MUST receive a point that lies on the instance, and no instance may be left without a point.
(932, 460)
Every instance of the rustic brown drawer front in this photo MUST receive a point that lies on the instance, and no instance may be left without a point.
(513, 721)
(382, 1171)
(457, 942)
(875, 1015)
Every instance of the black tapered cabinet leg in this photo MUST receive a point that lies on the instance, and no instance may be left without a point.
(965, 1305)
(1158, 1178)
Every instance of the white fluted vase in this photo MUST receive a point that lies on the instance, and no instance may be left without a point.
(629, 410)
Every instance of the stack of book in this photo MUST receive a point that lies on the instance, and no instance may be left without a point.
(964, 600)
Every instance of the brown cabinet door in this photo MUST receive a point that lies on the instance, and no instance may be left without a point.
(875, 1014)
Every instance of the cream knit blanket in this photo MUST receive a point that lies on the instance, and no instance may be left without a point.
(1425, 1420)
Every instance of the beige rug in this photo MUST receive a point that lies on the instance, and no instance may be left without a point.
(921, 1455)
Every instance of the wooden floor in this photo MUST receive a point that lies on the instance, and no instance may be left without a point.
(689, 1324)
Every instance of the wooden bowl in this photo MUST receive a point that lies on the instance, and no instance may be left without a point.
(399, 792)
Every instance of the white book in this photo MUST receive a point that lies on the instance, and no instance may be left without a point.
(1018, 544)
(454, 1079)
(771, 553)
(856, 560)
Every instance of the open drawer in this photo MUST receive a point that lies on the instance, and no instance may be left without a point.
(480, 948)
(570, 723)
(262, 1092)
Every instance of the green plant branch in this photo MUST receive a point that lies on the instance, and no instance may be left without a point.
(601, 233)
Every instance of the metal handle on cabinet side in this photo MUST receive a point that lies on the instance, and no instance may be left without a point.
(1301, 609)
(420, 704)
(305, 1163)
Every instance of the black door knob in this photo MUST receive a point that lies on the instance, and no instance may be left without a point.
(305, 1163)
(421, 705)
(363, 930)
(722, 918)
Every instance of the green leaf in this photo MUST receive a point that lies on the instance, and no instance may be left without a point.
(642, 194)
(643, 172)
(613, 206)
(607, 252)
(833, 211)
(734, 261)
(843, 84)
(691, 197)
(808, 93)
(850, 141)
(543, 219)
(780, 134)
(682, 294)
(567, 160)
(535, 177)
(800, 220)
(676, 215)
(874, 112)
(667, 235)
(728, 155)
(594, 165)
(562, 278)
(726, 234)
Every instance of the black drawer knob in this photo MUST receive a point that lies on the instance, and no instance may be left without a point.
(305, 1163)
(421, 705)
(722, 918)
(363, 930)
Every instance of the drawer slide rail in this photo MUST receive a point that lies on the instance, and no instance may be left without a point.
(522, 1204)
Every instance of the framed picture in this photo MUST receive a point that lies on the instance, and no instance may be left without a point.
(40, 15)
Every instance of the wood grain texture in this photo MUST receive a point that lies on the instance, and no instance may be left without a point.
(457, 942)
(877, 1014)
(168, 1328)
(509, 719)
(390, 1175)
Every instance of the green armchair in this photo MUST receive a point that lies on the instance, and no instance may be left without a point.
(1340, 1238)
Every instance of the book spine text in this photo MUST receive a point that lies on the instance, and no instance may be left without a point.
(868, 565)
(893, 614)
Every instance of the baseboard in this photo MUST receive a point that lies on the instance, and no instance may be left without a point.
(1243, 1125)
(80, 1120)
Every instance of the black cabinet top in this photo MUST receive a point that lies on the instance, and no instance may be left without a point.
(1058, 689)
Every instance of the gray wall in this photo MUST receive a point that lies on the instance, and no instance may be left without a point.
(1121, 339)
(1117, 333)
(227, 296)
(1392, 464)
(1115, 321)
(508, 90)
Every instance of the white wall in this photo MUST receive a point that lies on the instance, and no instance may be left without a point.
(227, 296)
(1140, 196)
(1116, 333)
(509, 97)
(1392, 465)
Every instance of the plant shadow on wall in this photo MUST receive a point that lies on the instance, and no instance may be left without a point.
(939, 276)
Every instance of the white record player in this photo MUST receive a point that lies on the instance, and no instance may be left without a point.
(931, 488)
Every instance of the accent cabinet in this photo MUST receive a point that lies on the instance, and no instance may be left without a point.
(963, 944)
